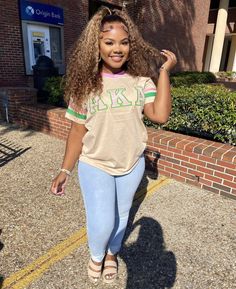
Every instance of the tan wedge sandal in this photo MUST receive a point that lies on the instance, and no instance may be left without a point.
(94, 272)
(110, 267)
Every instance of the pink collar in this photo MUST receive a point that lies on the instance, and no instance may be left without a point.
(113, 75)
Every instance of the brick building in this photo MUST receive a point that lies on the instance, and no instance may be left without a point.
(185, 27)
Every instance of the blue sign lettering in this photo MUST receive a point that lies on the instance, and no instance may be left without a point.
(41, 12)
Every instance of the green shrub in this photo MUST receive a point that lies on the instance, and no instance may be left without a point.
(206, 111)
(187, 78)
(55, 89)
(230, 75)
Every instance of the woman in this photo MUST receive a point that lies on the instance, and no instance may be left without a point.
(109, 89)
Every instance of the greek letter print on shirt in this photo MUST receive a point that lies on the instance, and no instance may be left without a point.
(116, 136)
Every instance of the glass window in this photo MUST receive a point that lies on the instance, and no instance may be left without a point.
(55, 43)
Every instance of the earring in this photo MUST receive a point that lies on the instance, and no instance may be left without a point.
(109, 11)
(100, 58)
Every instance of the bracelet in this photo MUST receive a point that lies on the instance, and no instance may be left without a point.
(163, 68)
(66, 171)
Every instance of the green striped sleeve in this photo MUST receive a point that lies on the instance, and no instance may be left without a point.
(149, 94)
(76, 114)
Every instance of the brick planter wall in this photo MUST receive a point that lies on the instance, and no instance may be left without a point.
(206, 164)
(44, 118)
(16, 96)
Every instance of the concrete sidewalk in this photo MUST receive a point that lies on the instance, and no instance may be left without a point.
(178, 236)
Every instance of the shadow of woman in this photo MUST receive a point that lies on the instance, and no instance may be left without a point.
(150, 173)
(1, 281)
(149, 264)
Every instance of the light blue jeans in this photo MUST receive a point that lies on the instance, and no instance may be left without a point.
(107, 200)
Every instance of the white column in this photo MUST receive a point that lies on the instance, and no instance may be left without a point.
(234, 65)
(232, 55)
(219, 36)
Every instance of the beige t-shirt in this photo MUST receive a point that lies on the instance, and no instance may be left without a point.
(116, 136)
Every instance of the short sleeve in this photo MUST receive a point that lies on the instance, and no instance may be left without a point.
(76, 114)
(150, 91)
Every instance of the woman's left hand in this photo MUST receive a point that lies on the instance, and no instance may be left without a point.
(171, 59)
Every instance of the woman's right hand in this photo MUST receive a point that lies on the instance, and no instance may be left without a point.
(59, 184)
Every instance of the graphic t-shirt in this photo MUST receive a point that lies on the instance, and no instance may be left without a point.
(116, 136)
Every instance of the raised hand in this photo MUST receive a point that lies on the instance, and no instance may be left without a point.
(171, 59)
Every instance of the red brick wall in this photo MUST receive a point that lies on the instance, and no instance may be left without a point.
(178, 25)
(206, 164)
(11, 55)
(12, 70)
(43, 118)
(16, 97)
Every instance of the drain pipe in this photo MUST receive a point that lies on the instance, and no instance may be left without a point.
(5, 102)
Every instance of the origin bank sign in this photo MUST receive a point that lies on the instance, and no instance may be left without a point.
(41, 13)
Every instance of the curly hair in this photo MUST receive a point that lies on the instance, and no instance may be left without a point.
(83, 75)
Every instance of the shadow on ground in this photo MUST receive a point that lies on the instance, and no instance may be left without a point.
(8, 127)
(149, 264)
(1, 281)
(9, 151)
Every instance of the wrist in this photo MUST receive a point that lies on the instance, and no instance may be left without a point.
(162, 68)
(67, 172)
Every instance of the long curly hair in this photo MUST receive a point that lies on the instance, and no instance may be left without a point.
(83, 75)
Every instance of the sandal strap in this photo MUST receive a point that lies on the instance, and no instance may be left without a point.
(94, 266)
(108, 271)
(110, 263)
(93, 274)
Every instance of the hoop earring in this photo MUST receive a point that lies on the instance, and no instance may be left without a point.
(100, 58)
(109, 10)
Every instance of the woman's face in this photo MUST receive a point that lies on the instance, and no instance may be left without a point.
(114, 46)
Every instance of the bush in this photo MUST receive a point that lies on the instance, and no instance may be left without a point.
(206, 111)
(229, 75)
(55, 89)
(188, 78)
